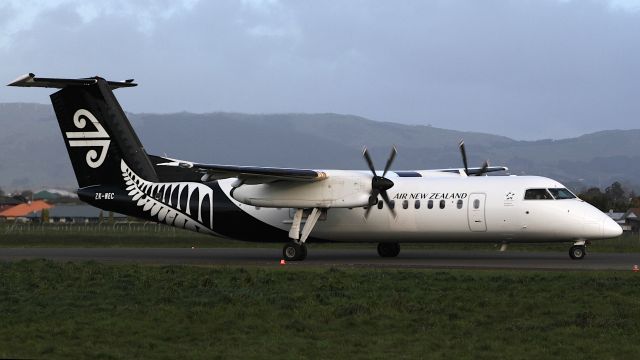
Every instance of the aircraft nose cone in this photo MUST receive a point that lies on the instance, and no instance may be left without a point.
(610, 229)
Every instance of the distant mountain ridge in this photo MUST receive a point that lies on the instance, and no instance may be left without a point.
(33, 155)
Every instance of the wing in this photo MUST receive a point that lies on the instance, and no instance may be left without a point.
(246, 174)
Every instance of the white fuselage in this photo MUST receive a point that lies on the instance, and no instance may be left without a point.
(464, 209)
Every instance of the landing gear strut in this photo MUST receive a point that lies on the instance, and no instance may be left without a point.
(578, 250)
(388, 249)
(294, 252)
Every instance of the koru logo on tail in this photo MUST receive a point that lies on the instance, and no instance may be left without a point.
(94, 139)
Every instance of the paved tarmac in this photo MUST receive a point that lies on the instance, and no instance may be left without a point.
(408, 258)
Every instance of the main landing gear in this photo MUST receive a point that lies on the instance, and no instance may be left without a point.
(578, 250)
(388, 249)
(294, 251)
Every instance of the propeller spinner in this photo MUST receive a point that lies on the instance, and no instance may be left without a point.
(380, 184)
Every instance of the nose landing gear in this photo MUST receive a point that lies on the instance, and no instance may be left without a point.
(578, 250)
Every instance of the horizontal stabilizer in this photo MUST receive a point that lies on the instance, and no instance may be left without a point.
(30, 80)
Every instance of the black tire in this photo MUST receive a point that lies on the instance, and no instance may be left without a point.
(577, 252)
(388, 249)
(303, 254)
(294, 252)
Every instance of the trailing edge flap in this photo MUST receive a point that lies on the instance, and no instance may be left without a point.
(474, 170)
(246, 174)
(30, 80)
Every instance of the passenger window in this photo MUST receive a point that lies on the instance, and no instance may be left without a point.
(405, 204)
(392, 204)
(476, 204)
(417, 204)
(442, 203)
(380, 203)
(537, 194)
(459, 204)
(430, 204)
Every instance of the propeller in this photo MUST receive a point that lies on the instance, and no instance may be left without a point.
(463, 152)
(380, 184)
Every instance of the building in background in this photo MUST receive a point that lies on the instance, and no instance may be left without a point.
(21, 212)
(632, 220)
(76, 214)
(628, 220)
(8, 202)
(39, 211)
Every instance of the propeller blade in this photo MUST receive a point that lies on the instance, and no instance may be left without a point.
(484, 168)
(392, 156)
(385, 197)
(463, 152)
(365, 153)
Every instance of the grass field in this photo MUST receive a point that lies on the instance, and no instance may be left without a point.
(90, 310)
(153, 235)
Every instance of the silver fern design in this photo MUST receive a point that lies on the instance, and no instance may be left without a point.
(171, 203)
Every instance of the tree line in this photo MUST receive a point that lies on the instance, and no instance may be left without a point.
(614, 197)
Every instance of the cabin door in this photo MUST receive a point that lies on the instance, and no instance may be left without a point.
(475, 211)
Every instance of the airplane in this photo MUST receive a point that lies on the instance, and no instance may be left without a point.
(294, 206)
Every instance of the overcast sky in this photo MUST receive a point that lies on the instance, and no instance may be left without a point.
(525, 69)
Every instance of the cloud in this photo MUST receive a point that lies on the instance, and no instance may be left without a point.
(616, 5)
(527, 69)
(23, 14)
(625, 5)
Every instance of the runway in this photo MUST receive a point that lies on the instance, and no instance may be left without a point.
(367, 258)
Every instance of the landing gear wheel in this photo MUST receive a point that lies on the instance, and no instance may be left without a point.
(577, 252)
(388, 249)
(294, 252)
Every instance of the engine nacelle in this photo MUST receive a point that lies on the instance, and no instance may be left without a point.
(341, 189)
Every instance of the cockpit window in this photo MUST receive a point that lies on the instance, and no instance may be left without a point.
(561, 194)
(537, 194)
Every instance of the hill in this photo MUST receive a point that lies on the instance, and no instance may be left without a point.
(32, 153)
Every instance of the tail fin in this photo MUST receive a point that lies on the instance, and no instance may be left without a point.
(97, 133)
(113, 170)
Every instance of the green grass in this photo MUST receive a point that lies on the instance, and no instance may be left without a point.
(90, 310)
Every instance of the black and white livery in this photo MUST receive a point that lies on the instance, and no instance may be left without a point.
(294, 206)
